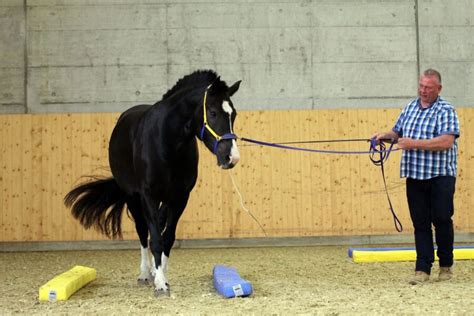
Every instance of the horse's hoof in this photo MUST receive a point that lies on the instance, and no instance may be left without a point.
(144, 282)
(163, 292)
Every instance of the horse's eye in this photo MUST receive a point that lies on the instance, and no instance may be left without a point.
(213, 113)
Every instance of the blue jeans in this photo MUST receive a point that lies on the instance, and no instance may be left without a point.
(431, 202)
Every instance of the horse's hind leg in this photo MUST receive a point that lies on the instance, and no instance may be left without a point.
(135, 208)
(162, 230)
(155, 221)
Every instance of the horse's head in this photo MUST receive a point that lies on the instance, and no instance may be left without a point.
(217, 131)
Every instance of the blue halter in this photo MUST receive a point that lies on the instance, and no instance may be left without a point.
(217, 138)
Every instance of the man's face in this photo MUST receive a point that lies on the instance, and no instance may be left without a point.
(428, 89)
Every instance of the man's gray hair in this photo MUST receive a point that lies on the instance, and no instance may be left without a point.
(432, 72)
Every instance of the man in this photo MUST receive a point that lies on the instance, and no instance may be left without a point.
(426, 131)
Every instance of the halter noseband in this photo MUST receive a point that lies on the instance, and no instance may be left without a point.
(217, 137)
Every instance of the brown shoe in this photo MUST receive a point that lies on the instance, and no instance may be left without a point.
(420, 277)
(445, 273)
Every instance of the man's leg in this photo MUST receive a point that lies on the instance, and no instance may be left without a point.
(418, 195)
(442, 196)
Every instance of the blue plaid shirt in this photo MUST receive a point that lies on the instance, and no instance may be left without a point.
(418, 123)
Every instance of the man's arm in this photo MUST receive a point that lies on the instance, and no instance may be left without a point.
(439, 143)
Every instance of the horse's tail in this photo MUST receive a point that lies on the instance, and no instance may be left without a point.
(98, 203)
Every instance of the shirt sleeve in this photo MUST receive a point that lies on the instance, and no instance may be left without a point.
(448, 123)
(398, 125)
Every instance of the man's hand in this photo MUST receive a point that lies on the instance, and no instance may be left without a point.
(385, 136)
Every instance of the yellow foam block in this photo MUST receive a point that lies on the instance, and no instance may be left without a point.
(404, 255)
(61, 287)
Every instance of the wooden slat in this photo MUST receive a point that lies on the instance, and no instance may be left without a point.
(463, 219)
(291, 193)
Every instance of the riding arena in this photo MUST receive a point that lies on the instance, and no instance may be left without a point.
(217, 157)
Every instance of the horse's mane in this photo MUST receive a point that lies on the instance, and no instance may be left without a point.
(199, 78)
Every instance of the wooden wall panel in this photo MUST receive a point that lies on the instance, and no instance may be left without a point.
(292, 193)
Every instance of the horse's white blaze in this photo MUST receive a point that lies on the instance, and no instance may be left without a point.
(234, 151)
(227, 108)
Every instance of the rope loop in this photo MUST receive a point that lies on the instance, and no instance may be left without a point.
(383, 154)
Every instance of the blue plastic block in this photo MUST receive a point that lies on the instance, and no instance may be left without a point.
(228, 282)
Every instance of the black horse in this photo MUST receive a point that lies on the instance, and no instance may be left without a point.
(153, 156)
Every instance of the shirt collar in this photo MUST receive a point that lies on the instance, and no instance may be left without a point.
(418, 103)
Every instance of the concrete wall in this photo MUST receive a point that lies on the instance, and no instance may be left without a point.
(106, 55)
(12, 57)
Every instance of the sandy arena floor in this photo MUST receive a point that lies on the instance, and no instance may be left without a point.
(287, 280)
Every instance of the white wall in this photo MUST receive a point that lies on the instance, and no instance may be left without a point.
(107, 55)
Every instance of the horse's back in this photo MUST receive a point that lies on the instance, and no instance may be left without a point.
(121, 147)
(133, 113)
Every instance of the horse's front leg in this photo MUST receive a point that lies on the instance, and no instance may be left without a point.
(169, 215)
(159, 264)
(174, 211)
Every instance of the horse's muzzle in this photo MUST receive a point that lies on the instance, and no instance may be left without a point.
(227, 166)
(232, 159)
(230, 163)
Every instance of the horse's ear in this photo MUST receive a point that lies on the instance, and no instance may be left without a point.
(234, 88)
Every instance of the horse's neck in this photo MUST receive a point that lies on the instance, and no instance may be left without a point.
(184, 107)
(173, 121)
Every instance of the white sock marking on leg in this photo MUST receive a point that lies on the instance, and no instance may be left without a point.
(164, 263)
(160, 279)
(144, 264)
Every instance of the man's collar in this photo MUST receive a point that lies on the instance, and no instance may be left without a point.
(418, 103)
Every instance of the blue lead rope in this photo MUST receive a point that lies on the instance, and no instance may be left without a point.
(382, 152)
(323, 151)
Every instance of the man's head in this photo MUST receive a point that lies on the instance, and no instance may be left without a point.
(429, 86)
